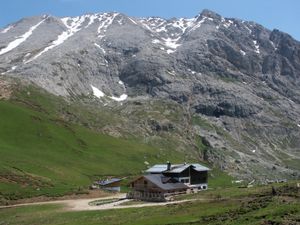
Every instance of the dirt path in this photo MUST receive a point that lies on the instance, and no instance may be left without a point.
(68, 202)
(83, 204)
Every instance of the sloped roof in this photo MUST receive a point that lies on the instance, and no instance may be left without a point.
(158, 180)
(107, 182)
(176, 168)
(158, 168)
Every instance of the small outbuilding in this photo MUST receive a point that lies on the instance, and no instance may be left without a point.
(113, 184)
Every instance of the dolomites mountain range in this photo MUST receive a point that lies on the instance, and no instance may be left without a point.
(240, 78)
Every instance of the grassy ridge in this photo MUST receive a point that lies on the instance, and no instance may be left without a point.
(47, 146)
(42, 154)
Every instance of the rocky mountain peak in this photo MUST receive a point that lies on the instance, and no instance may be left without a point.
(238, 76)
(210, 14)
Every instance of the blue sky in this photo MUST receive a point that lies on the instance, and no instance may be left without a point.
(281, 14)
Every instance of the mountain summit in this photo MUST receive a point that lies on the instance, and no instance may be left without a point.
(237, 82)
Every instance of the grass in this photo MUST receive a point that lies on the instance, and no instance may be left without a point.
(250, 206)
(44, 154)
(204, 124)
(51, 147)
(219, 179)
(133, 202)
(104, 201)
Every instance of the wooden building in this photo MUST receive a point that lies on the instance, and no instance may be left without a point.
(164, 180)
(193, 175)
(155, 187)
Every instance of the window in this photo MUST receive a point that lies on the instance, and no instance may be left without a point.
(184, 180)
(145, 183)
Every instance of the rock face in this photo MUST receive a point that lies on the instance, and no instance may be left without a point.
(238, 76)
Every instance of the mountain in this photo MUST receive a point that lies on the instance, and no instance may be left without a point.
(217, 89)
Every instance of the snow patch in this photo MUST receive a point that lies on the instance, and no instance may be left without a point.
(28, 54)
(228, 23)
(242, 52)
(237, 181)
(158, 25)
(193, 72)
(298, 124)
(272, 43)
(171, 43)
(161, 29)
(170, 51)
(132, 21)
(20, 39)
(256, 47)
(97, 92)
(198, 25)
(171, 36)
(247, 28)
(123, 97)
(26, 57)
(9, 71)
(98, 46)
(13, 68)
(73, 28)
(171, 72)
(156, 41)
(5, 30)
(147, 27)
(92, 19)
(106, 20)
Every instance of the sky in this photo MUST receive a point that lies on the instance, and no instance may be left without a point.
(280, 14)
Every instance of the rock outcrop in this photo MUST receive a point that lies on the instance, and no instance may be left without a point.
(237, 76)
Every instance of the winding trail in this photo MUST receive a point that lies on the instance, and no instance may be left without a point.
(83, 204)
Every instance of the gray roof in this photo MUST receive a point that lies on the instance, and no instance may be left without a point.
(107, 182)
(175, 168)
(158, 180)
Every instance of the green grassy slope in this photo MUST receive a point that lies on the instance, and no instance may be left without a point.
(42, 154)
(52, 147)
(245, 206)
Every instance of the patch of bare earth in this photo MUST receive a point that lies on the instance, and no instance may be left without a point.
(5, 90)
(91, 194)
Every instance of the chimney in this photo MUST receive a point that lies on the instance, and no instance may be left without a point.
(168, 165)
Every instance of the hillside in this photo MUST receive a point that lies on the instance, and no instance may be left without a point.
(42, 153)
(103, 93)
(224, 206)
